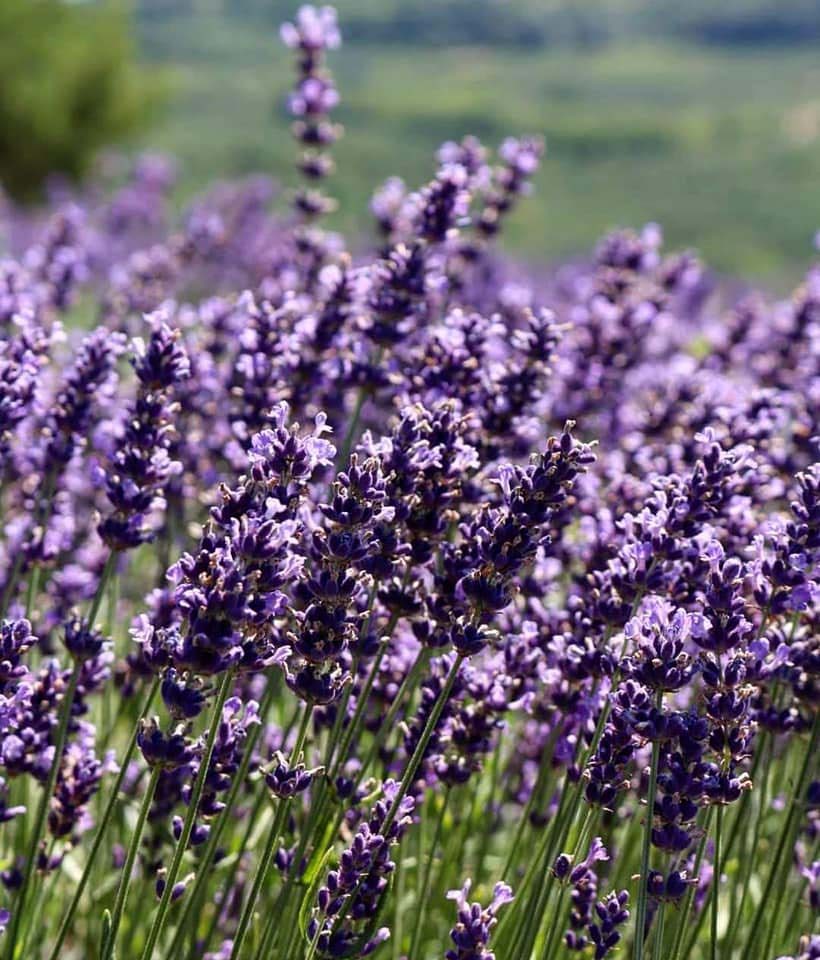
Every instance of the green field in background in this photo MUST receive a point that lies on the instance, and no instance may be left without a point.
(721, 147)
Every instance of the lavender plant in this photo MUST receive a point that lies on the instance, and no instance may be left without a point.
(525, 612)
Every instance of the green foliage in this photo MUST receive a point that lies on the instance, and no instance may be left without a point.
(720, 147)
(536, 23)
(70, 86)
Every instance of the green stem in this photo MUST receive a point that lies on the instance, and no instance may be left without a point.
(657, 943)
(259, 878)
(408, 685)
(552, 938)
(544, 774)
(270, 847)
(409, 775)
(318, 812)
(110, 941)
(319, 806)
(554, 837)
(11, 584)
(228, 883)
(487, 833)
(690, 893)
(42, 808)
(555, 925)
(341, 709)
(203, 871)
(102, 827)
(107, 571)
(41, 518)
(401, 874)
(533, 904)
(31, 591)
(716, 883)
(774, 892)
(38, 905)
(429, 728)
(801, 903)
(748, 859)
(643, 889)
(424, 890)
(361, 704)
(347, 443)
(739, 824)
(190, 817)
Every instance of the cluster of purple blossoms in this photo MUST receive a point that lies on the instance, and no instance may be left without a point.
(471, 935)
(351, 895)
(140, 465)
(591, 922)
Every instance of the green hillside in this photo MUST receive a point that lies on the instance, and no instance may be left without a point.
(720, 144)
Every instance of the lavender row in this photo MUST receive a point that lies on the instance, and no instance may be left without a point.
(400, 601)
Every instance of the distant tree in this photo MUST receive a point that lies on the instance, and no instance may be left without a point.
(69, 86)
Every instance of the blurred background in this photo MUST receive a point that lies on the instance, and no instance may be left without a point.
(702, 116)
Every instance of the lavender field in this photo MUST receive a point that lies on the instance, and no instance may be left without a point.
(390, 597)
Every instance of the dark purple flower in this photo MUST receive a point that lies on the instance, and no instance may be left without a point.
(471, 934)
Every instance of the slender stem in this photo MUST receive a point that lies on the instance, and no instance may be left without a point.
(424, 890)
(407, 779)
(11, 584)
(553, 837)
(408, 685)
(414, 763)
(41, 518)
(190, 817)
(107, 571)
(318, 811)
(341, 708)
(259, 878)
(774, 892)
(42, 808)
(487, 832)
(280, 921)
(38, 905)
(401, 875)
(99, 833)
(550, 945)
(643, 889)
(801, 903)
(227, 885)
(690, 893)
(748, 859)
(738, 829)
(361, 704)
(657, 944)
(192, 900)
(270, 847)
(110, 941)
(59, 747)
(32, 589)
(278, 913)
(555, 925)
(544, 772)
(530, 902)
(716, 883)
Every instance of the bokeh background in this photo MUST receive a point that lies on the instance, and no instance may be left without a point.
(703, 116)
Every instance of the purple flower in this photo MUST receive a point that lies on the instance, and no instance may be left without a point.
(16, 639)
(315, 29)
(286, 781)
(352, 893)
(140, 466)
(471, 934)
